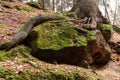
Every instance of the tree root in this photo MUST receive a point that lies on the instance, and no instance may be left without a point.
(23, 33)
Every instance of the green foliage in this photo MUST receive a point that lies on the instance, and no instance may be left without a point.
(35, 4)
(2, 25)
(24, 9)
(60, 35)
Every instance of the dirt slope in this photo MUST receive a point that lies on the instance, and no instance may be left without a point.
(12, 19)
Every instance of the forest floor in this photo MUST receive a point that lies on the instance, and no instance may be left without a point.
(11, 21)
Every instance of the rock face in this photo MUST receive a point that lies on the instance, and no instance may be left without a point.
(63, 43)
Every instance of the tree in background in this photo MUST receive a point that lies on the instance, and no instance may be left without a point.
(89, 9)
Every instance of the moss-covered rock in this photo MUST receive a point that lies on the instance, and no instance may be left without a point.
(106, 30)
(24, 9)
(63, 42)
(35, 4)
(6, 55)
(61, 35)
(116, 28)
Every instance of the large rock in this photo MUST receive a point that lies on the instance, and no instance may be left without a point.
(62, 42)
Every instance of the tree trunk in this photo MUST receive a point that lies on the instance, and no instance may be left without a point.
(88, 10)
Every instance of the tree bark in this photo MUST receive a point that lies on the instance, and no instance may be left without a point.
(88, 9)
(23, 33)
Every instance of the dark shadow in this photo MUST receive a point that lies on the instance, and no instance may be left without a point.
(68, 55)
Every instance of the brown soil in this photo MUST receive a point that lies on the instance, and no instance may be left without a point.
(15, 19)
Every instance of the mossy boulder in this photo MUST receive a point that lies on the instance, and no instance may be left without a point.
(24, 9)
(61, 35)
(35, 4)
(64, 43)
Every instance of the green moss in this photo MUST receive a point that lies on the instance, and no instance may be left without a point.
(47, 75)
(116, 28)
(2, 25)
(23, 75)
(7, 55)
(24, 9)
(106, 27)
(15, 52)
(71, 15)
(58, 36)
(7, 74)
(35, 4)
(22, 51)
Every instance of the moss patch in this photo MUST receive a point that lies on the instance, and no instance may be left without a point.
(71, 15)
(106, 31)
(2, 25)
(6, 55)
(106, 27)
(44, 75)
(57, 36)
(24, 9)
(35, 4)
(116, 28)
(15, 52)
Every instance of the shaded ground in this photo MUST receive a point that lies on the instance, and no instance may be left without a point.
(11, 20)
